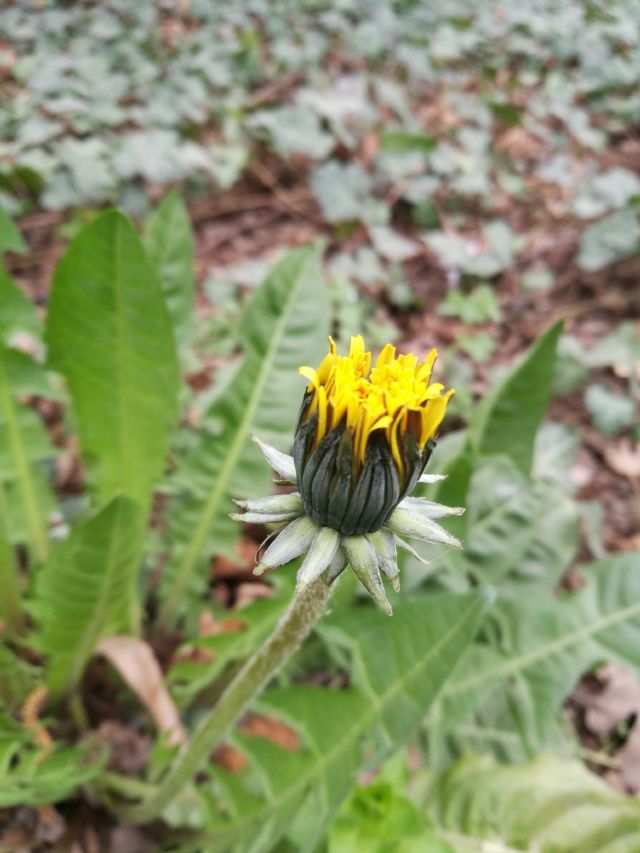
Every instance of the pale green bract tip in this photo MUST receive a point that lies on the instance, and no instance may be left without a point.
(325, 552)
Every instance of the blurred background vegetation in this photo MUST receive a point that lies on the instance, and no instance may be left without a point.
(471, 173)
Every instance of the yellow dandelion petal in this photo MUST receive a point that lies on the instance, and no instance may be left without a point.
(310, 374)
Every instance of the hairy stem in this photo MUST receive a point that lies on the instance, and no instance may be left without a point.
(303, 612)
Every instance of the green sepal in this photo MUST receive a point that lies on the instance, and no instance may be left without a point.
(319, 556)
(337, 566)
(384, 543)
(294, 540)
(362, 558)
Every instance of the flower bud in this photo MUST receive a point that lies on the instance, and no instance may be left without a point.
(364, 437)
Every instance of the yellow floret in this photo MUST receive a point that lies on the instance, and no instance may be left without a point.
(346, 388)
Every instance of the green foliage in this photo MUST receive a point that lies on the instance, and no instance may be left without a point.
(456, 251)
(25, 497)
(38, 776)
(87, 590)
(187, 678)
(17, 679)
(298, 792)
(10, 238)
(516, 532)
(513, 682)
(108, 332)
(479, 306)
(609, 240)
(548, 805)
(283, 326)
(379, 818)
(110, 103)
(19, 314)
(510, 415)
(170, 247)
(610, 412)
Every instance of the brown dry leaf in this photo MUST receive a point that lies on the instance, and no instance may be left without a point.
(230, 758)
(30, 715)
(139, 668)
(130, 839)
(271, 729)
(128, 749)
(246, 593)
(223, 567)
(518, 144)
(615, 697)
(624, 458)
(609, 699)
(629, 757)
(209, 627)
(632, 543)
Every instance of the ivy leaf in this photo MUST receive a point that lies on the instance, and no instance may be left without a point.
(610, 412)
(10, 238)
(479, 306)
(609, 240)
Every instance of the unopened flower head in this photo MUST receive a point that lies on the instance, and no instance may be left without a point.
(364, 435)
(363, 439)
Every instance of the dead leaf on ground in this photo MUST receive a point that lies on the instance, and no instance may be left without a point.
(229, 758)
(246, 593)
(624, 458)
(271, 729)
(136, 663)
(128, 749)
(225, 567)
(208, 626)
(518, 144)
(610, 699)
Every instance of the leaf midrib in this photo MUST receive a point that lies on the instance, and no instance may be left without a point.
(122, 392)
(322, 761)
(513, 665)
(32, 507)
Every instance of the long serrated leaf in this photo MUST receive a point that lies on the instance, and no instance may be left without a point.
(542, 652)
(395, 683)
(109, 333)
(86, 589)
(170, 246)
(548, 805)
(509, 418)
(284, 325)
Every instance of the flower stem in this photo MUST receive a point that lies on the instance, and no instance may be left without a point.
(303, 612)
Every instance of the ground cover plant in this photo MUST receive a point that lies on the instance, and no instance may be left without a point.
(461, 177)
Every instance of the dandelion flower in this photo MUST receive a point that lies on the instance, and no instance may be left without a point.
(364, 437)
